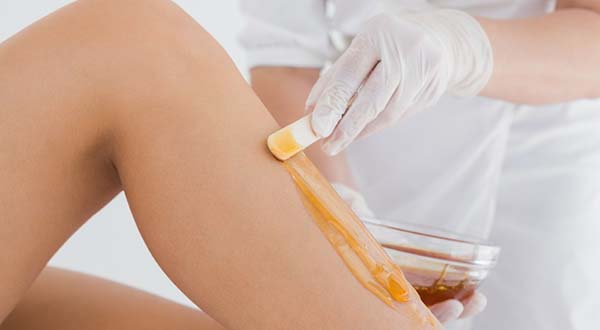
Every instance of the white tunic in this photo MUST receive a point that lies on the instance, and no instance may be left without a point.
(526, 177)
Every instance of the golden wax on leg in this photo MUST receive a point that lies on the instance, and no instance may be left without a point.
(361, 253)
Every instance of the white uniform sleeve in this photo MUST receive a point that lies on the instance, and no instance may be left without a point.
(286, 33)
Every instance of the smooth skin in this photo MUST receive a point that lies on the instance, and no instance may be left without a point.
(133, 95)
(66, 300)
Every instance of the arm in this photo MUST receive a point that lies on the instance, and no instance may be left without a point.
(401, 63)
(582, 4)
(548, 59)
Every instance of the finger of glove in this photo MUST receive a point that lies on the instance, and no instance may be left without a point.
(422, 83)
(399, 104)
(448, 310)
(348, 74)
(474, 304)
(403, 102)
(370, 101)
(317, 89)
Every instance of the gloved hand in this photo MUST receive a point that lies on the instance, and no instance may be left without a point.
(453, 309)
(398, 64)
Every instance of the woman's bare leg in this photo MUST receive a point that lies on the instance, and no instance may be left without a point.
(64, 300)
(55, 170)
(107, 94)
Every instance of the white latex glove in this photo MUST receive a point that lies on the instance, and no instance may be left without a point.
(453, 309)
(398, 64)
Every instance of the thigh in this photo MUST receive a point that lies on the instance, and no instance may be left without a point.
(65, 300)
(54, 168)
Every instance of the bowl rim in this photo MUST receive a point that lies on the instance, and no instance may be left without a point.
(415, 229)
(480, 253)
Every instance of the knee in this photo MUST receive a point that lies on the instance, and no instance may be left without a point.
(135, 18)
(150, 58)
(145, 49)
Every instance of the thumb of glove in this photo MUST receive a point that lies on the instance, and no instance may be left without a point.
(448, 310)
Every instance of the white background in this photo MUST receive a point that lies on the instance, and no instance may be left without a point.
(109, 245)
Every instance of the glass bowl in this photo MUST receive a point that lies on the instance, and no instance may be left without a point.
(439, 264)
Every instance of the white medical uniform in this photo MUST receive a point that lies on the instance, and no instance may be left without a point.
(526, 177)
